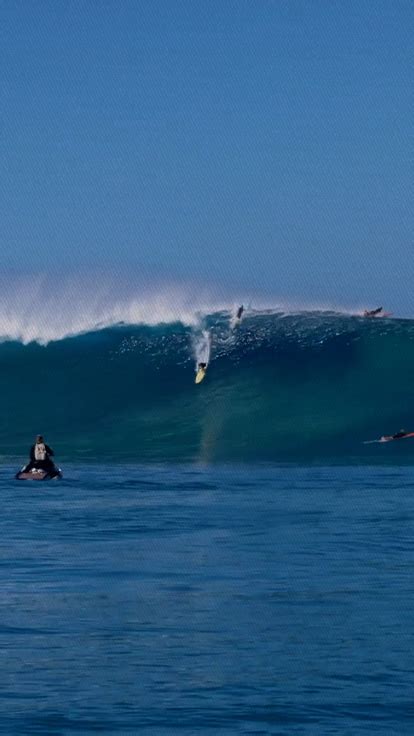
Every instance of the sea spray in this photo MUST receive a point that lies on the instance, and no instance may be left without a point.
(51, 306)
(43, 308)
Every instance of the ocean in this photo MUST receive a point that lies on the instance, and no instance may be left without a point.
(227, 558)
(307, 387)
(174, 599)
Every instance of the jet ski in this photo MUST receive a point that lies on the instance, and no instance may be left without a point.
(52, 473)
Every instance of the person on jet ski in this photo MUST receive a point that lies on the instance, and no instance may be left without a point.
(40, 456)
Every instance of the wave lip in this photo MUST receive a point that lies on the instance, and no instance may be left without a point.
(44, 308)
(36, 311)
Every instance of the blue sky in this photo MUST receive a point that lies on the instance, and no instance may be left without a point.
(265, 143)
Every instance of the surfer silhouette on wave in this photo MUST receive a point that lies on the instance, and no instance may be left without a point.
(373, 312)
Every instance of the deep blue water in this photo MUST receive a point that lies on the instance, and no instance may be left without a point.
(190, 600)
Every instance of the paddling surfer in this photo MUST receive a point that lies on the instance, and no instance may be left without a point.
(397, 436)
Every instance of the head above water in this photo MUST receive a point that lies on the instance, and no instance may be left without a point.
(39, 438)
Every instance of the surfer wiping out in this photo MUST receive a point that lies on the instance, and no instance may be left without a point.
(373, 312)
(236, 317)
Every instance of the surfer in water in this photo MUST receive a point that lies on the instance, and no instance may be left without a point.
(40, 456)
(373, 312)
(397, 436)
(236, 317)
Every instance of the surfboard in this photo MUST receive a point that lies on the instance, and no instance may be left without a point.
(373, 442)
(389, 439)
(200, 375)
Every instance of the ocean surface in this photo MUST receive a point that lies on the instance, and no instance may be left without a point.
(280, 387)
(170, 599)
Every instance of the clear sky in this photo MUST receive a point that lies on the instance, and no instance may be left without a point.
(263, 142)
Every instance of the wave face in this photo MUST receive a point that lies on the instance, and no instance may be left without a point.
(279, 387)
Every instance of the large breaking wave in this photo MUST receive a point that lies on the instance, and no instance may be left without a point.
(279, 387)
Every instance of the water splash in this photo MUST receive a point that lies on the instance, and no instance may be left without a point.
(202, 347)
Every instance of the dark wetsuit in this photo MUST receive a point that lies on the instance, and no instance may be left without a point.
(399, 435)
(46, 464)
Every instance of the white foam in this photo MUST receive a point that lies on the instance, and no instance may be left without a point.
(42, 308)
(202, 346)
(48, 307)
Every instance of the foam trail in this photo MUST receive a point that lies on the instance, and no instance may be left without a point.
(202, 347)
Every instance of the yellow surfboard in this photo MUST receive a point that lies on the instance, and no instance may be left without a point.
(200, 375)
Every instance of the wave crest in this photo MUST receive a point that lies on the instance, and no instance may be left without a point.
(42, 308)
